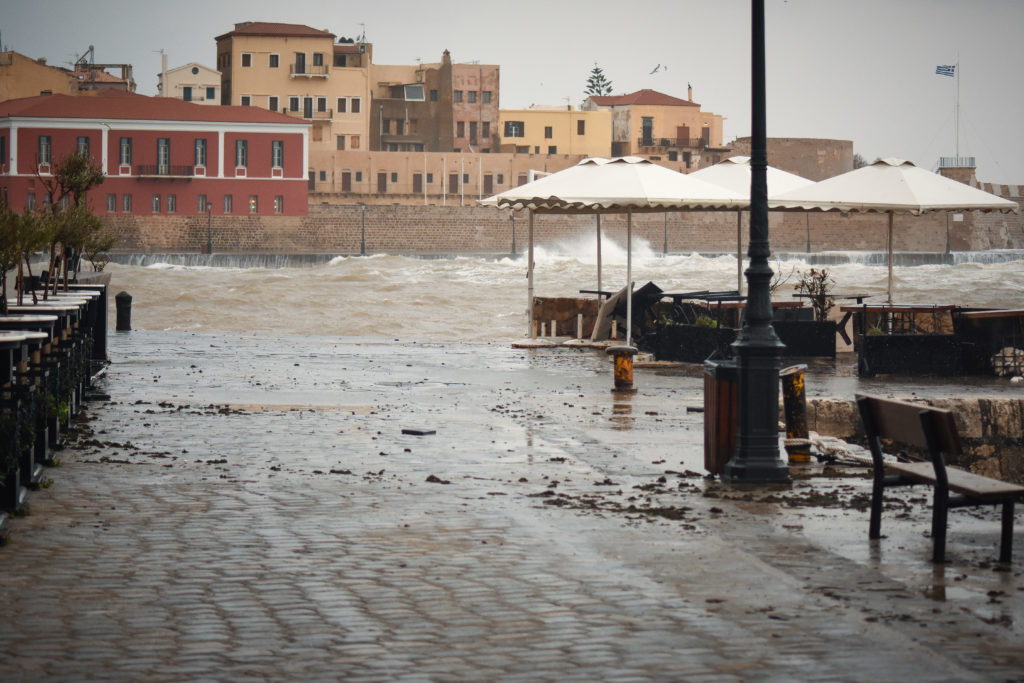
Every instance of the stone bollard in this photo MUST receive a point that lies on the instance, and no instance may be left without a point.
(123, 302)
(794, 407)
(623, 367)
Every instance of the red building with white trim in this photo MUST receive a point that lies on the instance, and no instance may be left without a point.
(159, 155)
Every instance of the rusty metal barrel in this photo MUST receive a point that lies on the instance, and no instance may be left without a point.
(623, 367)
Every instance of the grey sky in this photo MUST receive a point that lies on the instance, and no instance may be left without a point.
(859, 70)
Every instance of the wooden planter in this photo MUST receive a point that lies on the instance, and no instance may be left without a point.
(807, 337)
(690, 343)
(909, 354)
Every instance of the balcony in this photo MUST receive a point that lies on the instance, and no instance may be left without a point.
(691, 143)
(314, 115)
(164, 171)
(308, 71)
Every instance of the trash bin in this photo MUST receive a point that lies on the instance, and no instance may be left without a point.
(721, 413)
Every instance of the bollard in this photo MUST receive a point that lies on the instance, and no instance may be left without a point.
(533, 330)
(615, 329)
(794, 407)
(123, 301)
(623, 367)
(554, 328)
(543, 330)
(579, 326)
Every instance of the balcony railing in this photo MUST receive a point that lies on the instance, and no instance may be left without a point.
(163, 171)
(693, 143)
(317, 115)
(308, 71)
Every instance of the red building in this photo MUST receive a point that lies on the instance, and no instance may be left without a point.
(159, 155)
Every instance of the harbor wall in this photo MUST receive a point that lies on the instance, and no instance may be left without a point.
(342, 229)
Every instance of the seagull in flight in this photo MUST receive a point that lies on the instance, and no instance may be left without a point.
(655, 69)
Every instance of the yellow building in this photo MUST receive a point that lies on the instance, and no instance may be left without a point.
(556, 130)
(22, 76)
(191, 82)
(661, 127)
(302, 72)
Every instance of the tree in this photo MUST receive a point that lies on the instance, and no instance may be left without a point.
(858, 161)
(597, 84)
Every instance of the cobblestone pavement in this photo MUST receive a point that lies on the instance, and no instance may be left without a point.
(249, 508)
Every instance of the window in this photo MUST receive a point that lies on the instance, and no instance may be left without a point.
(272, 103)
(485, 129)
(201, 204)
(321, 104)
(200, 159)
(246, 59)
(323, 176)
(472, 96)
(552, 149)
(156, 203)
(385, 126)
(253, 204)
(339, 60)
(359, 176)
(515, 129)
(486, 94)
(581, 127)
(399, 127)
(227, 203)
(195, 70)
(355, 105)
(355, 142)
(673, 155)
(126, 203)
(460, 129)
(125, 155)
(293, 103)
(82, 146)
(45, 149)
(472, 132)
(163, 156)
(30, 200)
(394, 177)
(111, 203)
(501, 178)
(536, 149)
(458, 95)
(414, 92)
(277, 153)
(318, 59)
(211, 93)
(172, 203)
(275, 61)
(433, 96)
(547, 132)
(241, 153)
(465, 178)
(245, 100)
(186, 93)
(342, 102)
(341, 142)
(430, 177)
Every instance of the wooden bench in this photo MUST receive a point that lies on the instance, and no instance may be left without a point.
(933, 430)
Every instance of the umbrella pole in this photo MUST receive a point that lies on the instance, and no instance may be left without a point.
(529, 283)
(599, 257)
(890, 257)
(739, 252)
(629, 277)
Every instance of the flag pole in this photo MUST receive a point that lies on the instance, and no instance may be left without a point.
(956, 112)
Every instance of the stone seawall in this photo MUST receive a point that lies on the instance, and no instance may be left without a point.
(343, 229)
(991, 430)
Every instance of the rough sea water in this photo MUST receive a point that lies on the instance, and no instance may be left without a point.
(485, 299)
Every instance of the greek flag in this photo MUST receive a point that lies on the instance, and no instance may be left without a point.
(945, 70)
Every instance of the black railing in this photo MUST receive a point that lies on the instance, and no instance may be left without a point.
(163, 170)
(695, 143)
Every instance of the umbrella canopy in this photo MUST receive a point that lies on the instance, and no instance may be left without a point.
(890, 186)
(618, 185)
(734, 173)
(598, 185)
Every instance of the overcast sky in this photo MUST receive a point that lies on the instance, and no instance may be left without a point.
(860, 70)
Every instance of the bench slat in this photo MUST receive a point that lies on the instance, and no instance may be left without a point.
(967, 483)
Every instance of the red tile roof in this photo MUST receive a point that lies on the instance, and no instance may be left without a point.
(347, 49)
(645, 96)
(119, 105)
(264, 28)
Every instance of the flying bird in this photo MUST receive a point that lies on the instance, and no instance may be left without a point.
(655, 69)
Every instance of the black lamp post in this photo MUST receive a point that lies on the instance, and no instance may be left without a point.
(758, 348)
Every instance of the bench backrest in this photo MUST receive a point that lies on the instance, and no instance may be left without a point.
(932, 429)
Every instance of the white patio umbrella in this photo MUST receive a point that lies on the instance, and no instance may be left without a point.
(890, 186)
(734, 173)
(618, 185)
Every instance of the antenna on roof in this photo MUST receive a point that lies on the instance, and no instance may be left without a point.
(362, 36)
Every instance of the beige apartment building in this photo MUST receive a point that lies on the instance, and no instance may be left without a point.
(22, 76)
(662, 128)
(302, 72)
(191, 82)
(556, 130)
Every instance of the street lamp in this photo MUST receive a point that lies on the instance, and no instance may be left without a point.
(758, 348)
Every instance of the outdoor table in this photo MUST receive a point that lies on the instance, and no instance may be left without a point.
(898, 317)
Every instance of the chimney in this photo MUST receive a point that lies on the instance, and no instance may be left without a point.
(163, 75)
(689, 92)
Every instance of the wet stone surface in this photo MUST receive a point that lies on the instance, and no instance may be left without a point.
(249, 507)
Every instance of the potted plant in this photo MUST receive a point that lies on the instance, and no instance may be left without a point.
(816, 336)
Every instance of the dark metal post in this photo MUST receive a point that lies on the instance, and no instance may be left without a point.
(362, 233)
(664, 251)
(512, 217)
(758, 348)
(123, 303)
(209, 231)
